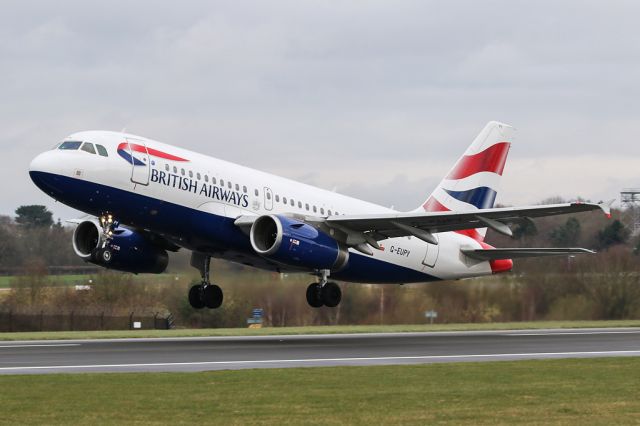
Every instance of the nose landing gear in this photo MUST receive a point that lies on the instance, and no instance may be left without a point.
(107, 224)
(204, 294)
(325, 293)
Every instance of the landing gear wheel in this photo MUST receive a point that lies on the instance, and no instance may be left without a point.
(195, 297)
(212, 296)
(314, 295)
(331, 294)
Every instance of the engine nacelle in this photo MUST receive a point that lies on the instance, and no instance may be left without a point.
(127, 251)
(295, 243)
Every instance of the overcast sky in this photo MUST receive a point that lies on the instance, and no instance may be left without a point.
(374, 99)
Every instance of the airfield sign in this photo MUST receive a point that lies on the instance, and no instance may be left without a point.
(431, 314)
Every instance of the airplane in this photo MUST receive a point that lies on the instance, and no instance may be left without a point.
(144, 198)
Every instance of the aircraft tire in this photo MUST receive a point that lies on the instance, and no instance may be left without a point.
(195, 297)
(331, 294)
(212, 296)
(314, 295)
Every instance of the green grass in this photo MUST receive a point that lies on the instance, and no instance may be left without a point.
(340, 329)
(82, 279)
(585, 391)
(72, 279)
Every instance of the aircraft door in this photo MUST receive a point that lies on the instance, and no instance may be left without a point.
(431, 257)
(268, 198)
(139, 161)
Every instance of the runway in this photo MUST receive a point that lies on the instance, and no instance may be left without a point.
(224, 353)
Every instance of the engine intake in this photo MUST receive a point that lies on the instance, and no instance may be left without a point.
(128, 250)
(296, 243)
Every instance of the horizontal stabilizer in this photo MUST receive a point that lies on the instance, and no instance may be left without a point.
(515, 253)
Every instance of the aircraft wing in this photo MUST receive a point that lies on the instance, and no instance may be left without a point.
(374, 228)
(515, 253)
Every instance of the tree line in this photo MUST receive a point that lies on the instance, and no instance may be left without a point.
(602, 286)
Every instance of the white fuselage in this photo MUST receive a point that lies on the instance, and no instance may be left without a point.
(176, 193)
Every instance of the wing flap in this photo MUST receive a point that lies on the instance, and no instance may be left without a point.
(515, 253)
(455, 221)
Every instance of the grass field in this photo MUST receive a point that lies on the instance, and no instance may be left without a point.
(585, 391)
(83, 279)
(5, 281)
(340, 329)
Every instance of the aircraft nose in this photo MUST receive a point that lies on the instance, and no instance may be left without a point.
(41, 172)
(39, 163)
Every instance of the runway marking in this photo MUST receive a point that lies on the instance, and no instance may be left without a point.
(56, 345)
(572, 333)
(312, 360)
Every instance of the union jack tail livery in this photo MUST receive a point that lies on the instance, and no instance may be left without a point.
(474, 181)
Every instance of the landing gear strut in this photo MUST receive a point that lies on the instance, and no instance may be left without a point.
(325, 293)
(108, 223)
(204, 294)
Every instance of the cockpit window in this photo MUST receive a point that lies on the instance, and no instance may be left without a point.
(88, 147)
(102, 150)
(70, 145)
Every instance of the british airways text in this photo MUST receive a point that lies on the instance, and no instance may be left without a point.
(200, 188)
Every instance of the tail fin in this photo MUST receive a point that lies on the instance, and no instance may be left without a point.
(474, 181)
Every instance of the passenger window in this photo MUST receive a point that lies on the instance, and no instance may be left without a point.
(175, 170)
(229, 185)
(322, 210)
(213, 180)
(166, 167)
(315, 209)
(293, 204)
(198, 176)
(284, 200)
(182, 172)
(103, 151)
(190, 174)
(70, 145)
(88, 147)
(206, 178)
(329, 212)
(299, 204)
(237, 187)
(244, 189)
(256, 192)
(277, 198)
(268, 195)
(306, 206)
(221, 181)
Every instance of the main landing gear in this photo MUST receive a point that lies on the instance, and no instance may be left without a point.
(325, 293)
(204, 294)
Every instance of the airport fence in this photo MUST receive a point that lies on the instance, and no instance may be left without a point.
(72, 321)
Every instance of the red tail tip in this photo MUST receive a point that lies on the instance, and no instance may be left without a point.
(502, 265)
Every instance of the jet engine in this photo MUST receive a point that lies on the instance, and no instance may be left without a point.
(127, 250)
(295, 243)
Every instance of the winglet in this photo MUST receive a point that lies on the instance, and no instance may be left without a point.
(606, 207)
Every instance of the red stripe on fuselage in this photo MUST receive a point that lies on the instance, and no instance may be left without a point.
(150, 151)
(491, 160)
